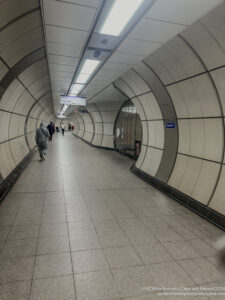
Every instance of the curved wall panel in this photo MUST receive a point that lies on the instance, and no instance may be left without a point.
(24, 80)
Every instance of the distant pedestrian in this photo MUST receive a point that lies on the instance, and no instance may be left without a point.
(41, 138)
(63, 128)
(51, 130)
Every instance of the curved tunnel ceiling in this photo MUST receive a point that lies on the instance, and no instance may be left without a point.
(66, 36)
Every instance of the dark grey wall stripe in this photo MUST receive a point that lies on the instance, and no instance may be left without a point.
(20, 67)
(169, 115)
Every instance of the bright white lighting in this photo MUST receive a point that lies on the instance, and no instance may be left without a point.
(82, 78)
(89, 66)
(119, 15)
(76, 88)
(64, 108)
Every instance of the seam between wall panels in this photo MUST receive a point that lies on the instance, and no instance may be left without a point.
(99, 122)
(221, 111)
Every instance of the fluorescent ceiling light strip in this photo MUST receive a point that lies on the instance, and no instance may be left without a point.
(88, 68)
(76, 88)
(119, 15)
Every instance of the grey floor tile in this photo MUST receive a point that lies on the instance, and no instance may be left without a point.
(52, 230)
(181, 250)
(21, 232)
(113, 239)
(141, 236)
(6, 220)
(131, 224)
(106, 225)
(87, 261)
(58, 288)
(53, 245)
(134, 281)
(124, 256)
(201, 270)
(96, 286)
(52, 265)
(203, 247)
(16, 269)
(84, 241)
(80, 227)
(4, 231)
(166, 234)
(169, 273)
(153, 253)
(19, 248)
(15, 290)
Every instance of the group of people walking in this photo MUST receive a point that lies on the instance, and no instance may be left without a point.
(43, 134)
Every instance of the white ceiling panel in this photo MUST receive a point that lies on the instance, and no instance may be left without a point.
(65, 35)
(63, 49)
(133, 46)
(64, 60)
(116, 67)
(68, 15)
(155, 31)
(181, 11)
(91, 3)
(125, 58)
(59, 67)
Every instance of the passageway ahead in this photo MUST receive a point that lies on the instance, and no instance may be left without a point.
(81, 226)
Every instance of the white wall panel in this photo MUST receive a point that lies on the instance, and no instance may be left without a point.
(218, 77)
(108, 128)
(178, 171)
(157, 66)
(107, 141)
(217, 202)
(4, 125)
(150, 106)
(156, 134)
(139, 86)
(206, 182)
(191, 175)
(97, 140)
(7, 163)
(152, 161)
(19, 149)
(145, 135)
(16, 126)
(205, 44)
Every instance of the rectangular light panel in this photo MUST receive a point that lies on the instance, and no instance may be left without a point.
(73, 100)
(119, 15)
(88, 68)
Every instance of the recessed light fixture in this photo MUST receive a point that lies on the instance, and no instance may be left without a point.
(119, 15)
(76, 88)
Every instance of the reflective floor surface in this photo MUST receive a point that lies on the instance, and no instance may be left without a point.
(81, 226)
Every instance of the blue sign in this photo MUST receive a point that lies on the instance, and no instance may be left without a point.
(170, 125)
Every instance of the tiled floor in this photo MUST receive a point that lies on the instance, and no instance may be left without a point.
(81, 226)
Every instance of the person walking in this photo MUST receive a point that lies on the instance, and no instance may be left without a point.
(41, 138)
(63, 128)
(51, 130)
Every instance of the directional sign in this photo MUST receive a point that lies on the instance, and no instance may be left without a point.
(170, 125)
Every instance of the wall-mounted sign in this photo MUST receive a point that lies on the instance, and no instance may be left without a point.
(170, 125)
(73, 100)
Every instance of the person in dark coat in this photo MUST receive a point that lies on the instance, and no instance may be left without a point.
(41, 138)
(51, 130)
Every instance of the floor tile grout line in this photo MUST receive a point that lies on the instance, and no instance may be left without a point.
(71, 259)
(35, 257)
